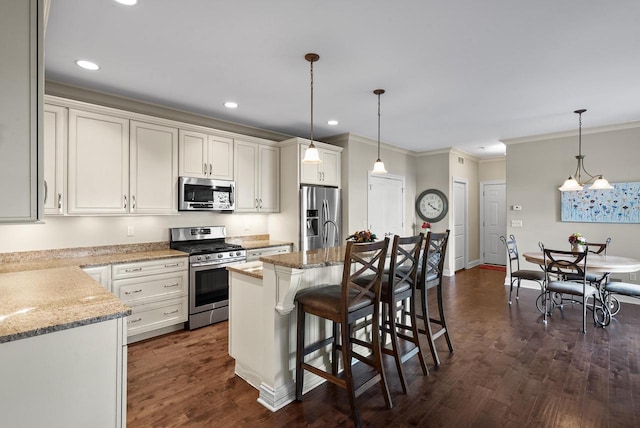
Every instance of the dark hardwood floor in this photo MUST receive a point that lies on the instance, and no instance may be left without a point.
(508, 370)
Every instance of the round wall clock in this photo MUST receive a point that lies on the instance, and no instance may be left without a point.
(432, 205)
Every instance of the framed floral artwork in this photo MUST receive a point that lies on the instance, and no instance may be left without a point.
(619, 205)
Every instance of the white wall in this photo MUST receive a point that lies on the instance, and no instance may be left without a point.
(69, 232)
(537, 167)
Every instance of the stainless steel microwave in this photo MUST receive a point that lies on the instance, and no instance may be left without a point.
(205, 194)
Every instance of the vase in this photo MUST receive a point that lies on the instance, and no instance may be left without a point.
(577, 248)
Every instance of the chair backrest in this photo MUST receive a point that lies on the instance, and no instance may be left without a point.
(364, 261)
(559, 264)
(433, 265)
(512, 252)
(596, 248)
(405, 259)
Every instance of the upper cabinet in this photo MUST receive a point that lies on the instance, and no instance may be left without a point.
(257, 177)
(98, 163)
(153, 172)
(21, 86)
(205, 156)
(326, 173)
(55, 159)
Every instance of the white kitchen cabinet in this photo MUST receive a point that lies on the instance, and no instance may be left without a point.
(256, 253)
(55, 159)
(157, 292)
(75, 377)
(21, 86)
(205, 156)
(98, 165)
(326, 173)
(153, 171)
(257, 177)
(102, 274)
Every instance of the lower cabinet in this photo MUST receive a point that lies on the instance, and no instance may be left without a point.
(157, 292)
(256, 253)
(102, 274)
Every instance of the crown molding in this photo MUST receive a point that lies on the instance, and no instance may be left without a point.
(572, 133)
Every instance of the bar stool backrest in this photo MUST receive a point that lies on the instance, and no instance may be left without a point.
(433, 265)
(405, 256)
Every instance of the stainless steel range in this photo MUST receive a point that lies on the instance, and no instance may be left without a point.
(209, 255)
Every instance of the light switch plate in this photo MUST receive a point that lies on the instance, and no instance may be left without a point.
(516, 223)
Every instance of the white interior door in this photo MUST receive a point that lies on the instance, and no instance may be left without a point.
(459, 224)
(385, 210)
(494, 209)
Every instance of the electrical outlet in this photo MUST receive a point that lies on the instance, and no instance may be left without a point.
(632, 276)
(130, 231)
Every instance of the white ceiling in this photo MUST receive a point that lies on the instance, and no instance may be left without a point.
(462, 74)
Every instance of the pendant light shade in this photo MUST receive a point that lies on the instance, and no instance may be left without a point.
(378, 167)
(311, 155)
(574, 182)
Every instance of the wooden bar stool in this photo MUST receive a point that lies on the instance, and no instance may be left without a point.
(344, 304)
(399, 287)
(429, 276)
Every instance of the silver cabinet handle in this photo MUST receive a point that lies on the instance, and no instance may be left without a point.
(132, 321)
(133, 269)
(260, 203)
(204, 169)
(46, 192)
(257, 203)
(125, 201)
(171, 264)
(171, 285)
(133, 292)
(210, 169)
(133, 202)
(172, 312)
(60, 202)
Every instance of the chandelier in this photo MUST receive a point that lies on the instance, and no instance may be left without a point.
(577, 181)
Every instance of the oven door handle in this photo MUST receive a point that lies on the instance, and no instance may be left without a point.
(217, 265)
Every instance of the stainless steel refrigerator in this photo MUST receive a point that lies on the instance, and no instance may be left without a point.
(320, 217)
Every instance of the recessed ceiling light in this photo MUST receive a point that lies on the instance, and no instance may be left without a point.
(332, 122)
(127, 2)
(231, 104)
(87, 65)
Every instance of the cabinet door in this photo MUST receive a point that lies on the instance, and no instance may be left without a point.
(102, 274)
(154, 169)
(21, 89)
(55, 149)
(98, 163)
(220, 154)
(269, 179)
(330, 175)
(246, 167)
(193, 154)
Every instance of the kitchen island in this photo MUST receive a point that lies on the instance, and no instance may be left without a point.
(262, 322)
(62, 350)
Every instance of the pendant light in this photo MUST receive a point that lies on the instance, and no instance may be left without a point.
(378, 167)
(574, 182)
(311, 155)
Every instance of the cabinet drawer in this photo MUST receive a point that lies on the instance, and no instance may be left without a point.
(130, 270)
(162, 314)
(151, 288)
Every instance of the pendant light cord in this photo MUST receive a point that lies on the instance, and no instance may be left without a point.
(311, 102)
(378, 125)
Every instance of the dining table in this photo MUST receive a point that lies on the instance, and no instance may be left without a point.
(597, 263)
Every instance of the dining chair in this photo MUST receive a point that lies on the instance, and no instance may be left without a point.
(344, 304)
(596, 279)
(558, 265)
(515, 273)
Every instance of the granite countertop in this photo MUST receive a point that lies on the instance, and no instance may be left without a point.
(253, 269)
(258, 243)
(308, 259)
(43, 301)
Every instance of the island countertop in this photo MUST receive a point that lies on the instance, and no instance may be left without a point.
(309, 259)
(43, 301)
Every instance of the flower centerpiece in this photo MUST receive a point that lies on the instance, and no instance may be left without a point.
(426, 225)
(362, 236)
(577, 242)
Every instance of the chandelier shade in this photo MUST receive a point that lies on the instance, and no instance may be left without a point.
(311, 154)
(576, 181)
(378, 166)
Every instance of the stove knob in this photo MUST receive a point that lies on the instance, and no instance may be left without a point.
(220, 256)
(231, 254)
(238, 253)
(199, 258)
(207, 257)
